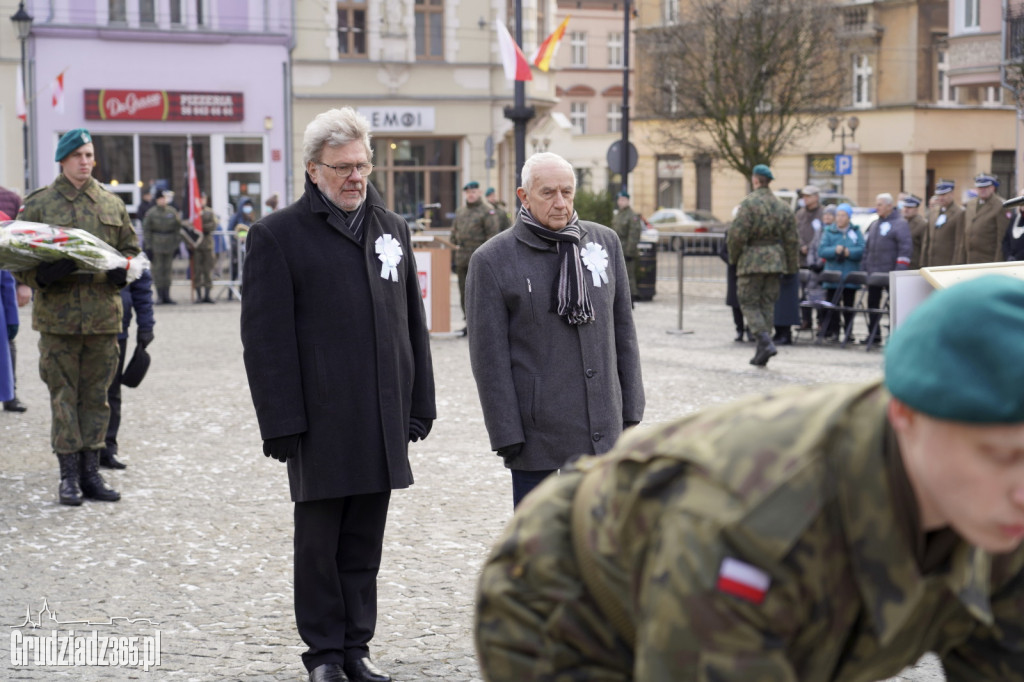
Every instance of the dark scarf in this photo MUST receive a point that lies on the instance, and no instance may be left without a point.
(353, 220)
(572, 301)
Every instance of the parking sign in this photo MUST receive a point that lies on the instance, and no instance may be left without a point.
(844, 164)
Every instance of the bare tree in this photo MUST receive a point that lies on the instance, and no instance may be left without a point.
(742, 79)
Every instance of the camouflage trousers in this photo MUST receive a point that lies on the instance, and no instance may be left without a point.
(161, 268)
(202, 269)
(757, 295)
(78, 369)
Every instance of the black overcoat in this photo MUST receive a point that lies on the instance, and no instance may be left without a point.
(333, 349)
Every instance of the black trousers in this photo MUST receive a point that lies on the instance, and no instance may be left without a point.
(114, 398)
(874, 298)
(338, 545)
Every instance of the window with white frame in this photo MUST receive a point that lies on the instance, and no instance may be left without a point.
(614, 117)
(578, 42)
(614, 49)
(993, 96)
(968, 15)
(670, 11)
(861, 81)
(352, 28)
(945, 93)
(578, 117)
(670, 95)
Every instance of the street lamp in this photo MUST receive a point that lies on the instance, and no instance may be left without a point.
(22, 21)
(851, 123)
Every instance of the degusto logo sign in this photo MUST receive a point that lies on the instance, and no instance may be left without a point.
(399, 119)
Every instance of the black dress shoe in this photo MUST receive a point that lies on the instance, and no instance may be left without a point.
(14, 405)
(328, 672)
(109, 460)
(364, 670)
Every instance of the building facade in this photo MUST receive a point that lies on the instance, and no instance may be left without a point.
(913, 123)
(428, 76)
(149, 77)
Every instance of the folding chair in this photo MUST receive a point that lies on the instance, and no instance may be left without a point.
(829, 305)
(860, 278)
(806, 303)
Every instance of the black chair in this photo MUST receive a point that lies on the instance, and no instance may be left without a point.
(880, 280)
(860, 278)
(805, 303)
(830, 306)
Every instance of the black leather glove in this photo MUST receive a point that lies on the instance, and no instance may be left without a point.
(282, 448)
(144, 338)
(419, 428)
(510, 452)
(118, 276)
(48, 273)
(817, 267)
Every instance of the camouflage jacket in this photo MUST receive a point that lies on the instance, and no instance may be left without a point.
(209, 227)
(161, 229)
(474, 224)
(626, 224)
(79, 304)
(755, 542)
(504, 221)
(763, 237)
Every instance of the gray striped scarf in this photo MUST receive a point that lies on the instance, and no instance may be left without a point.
(572, 301)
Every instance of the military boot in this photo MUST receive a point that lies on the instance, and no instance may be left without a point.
(109, 460)
(765, 350)
(206, 296)
(93, 485)
(69, 492)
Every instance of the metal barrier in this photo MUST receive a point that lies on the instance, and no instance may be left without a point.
(228, 262)
(700, 251)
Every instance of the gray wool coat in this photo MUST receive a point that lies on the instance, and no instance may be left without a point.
(562, 390)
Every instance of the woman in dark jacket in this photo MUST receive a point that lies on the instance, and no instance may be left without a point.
(842, 247)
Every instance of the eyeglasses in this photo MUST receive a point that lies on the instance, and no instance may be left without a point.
(344, 171)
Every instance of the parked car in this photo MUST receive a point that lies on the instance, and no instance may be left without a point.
(792, 197)
(674, 220)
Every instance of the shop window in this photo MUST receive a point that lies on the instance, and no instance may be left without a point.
(352, 28)
(147, 12)
(117, 12)
(177, 18)
(429, 29)
(115, 164)
(243, 150)
(418, 178)
(200, 13)
(670, 181)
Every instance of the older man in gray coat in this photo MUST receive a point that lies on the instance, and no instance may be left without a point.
(551, 336)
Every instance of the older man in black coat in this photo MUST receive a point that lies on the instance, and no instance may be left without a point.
(338, 358)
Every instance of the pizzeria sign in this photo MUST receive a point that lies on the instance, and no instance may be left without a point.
(163, 105)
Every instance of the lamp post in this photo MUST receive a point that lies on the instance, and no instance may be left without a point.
(22, 21)
(851, 123)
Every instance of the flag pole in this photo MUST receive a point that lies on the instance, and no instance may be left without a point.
(519, 113)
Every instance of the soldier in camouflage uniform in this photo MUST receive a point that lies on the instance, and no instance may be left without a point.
(161, 236)
(475, 223)
(763, 243)
(985, 223)
(504, 221)
(627, 224)
(817, 534)
(78, 317)
(202, 278)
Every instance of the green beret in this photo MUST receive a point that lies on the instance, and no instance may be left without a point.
(763, 171)
(623, 193)
(957, 356)
(72, 140)
(472, 184)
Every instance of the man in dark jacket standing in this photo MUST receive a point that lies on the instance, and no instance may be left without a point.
(888, 246)
(551, 336)
(808, 226)
(763, 244)
(337, 353)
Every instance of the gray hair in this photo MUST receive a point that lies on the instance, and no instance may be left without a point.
(335, 128)
(543, 159)
(885, 198)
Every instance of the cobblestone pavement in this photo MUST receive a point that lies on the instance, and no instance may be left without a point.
(200, 544)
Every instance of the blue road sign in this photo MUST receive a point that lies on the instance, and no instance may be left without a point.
(844, 164)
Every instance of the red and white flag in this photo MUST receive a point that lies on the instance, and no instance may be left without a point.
(195, 202)
(512, 58)
(20, 97)
(743, 580)
(57, 93)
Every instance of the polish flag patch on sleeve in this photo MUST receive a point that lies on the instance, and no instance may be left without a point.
(743, 580)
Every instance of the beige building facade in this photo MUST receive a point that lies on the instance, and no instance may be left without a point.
(428, 76)
(913, 124)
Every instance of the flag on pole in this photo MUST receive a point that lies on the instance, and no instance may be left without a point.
(57, 93)
(20, 106)
(512, 58)
(195, 202)
(549, 48)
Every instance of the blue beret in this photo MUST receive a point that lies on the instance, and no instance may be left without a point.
(985, 180)
(72, 140)
(944, 186)
(956, 357)
(472, 184)
(911, 201)
(763, 171)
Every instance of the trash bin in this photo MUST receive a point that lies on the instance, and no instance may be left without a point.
(646, 270)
